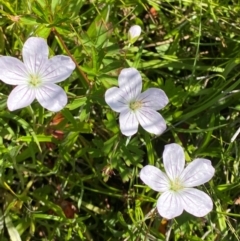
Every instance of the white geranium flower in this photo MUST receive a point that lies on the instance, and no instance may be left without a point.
(134, 33)
(136, 107)
(177, 184)
(36, 76)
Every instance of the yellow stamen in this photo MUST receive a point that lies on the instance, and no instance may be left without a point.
(135, 105)
(34, 80)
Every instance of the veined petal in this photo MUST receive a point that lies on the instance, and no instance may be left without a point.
(151, 120)
(196, 202)
(20, 97)
(197, 172)
(169, 205)
(116, 99)
(57, 69)
(35, 54)
(13, 71)
(173, 160)
(130, 81)
(128, 123)
(52, 97)
(154, 178)
(153, 98)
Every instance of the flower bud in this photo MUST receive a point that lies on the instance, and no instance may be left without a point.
(134, 33)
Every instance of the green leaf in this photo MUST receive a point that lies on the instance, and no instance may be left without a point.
(77, 103)
(30, 20)
(2, 42)
(39, 138)
(54, 4)
(43, 31)
(100, 31)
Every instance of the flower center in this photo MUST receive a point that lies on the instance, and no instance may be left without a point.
(176, 185)
(34, 80)
(135, 105)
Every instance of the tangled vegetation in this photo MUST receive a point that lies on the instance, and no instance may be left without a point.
(72, 175)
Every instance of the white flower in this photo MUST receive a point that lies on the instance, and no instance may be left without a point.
(177, 184)
(36, 76)
(136, 107)
(133, 33)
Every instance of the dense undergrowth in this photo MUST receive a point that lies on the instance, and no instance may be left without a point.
(70, 175)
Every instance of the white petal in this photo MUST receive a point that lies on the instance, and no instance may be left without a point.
(57, 69)
(13, 71)
(196, 202)
(151, 121)
(154, 178)
(116, 99)
(52, 97)
(134, 32)
(130, 81)
(173, 160)
(128, 123)
(35, 54)
(153, 98)
(20, 97)
(197, 172)
(169, 205)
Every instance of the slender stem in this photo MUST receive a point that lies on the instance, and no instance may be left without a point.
(84, 77)
(31, 112)
(235, 135)
(168, 233)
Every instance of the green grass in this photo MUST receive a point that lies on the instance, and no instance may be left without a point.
(85, 184)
